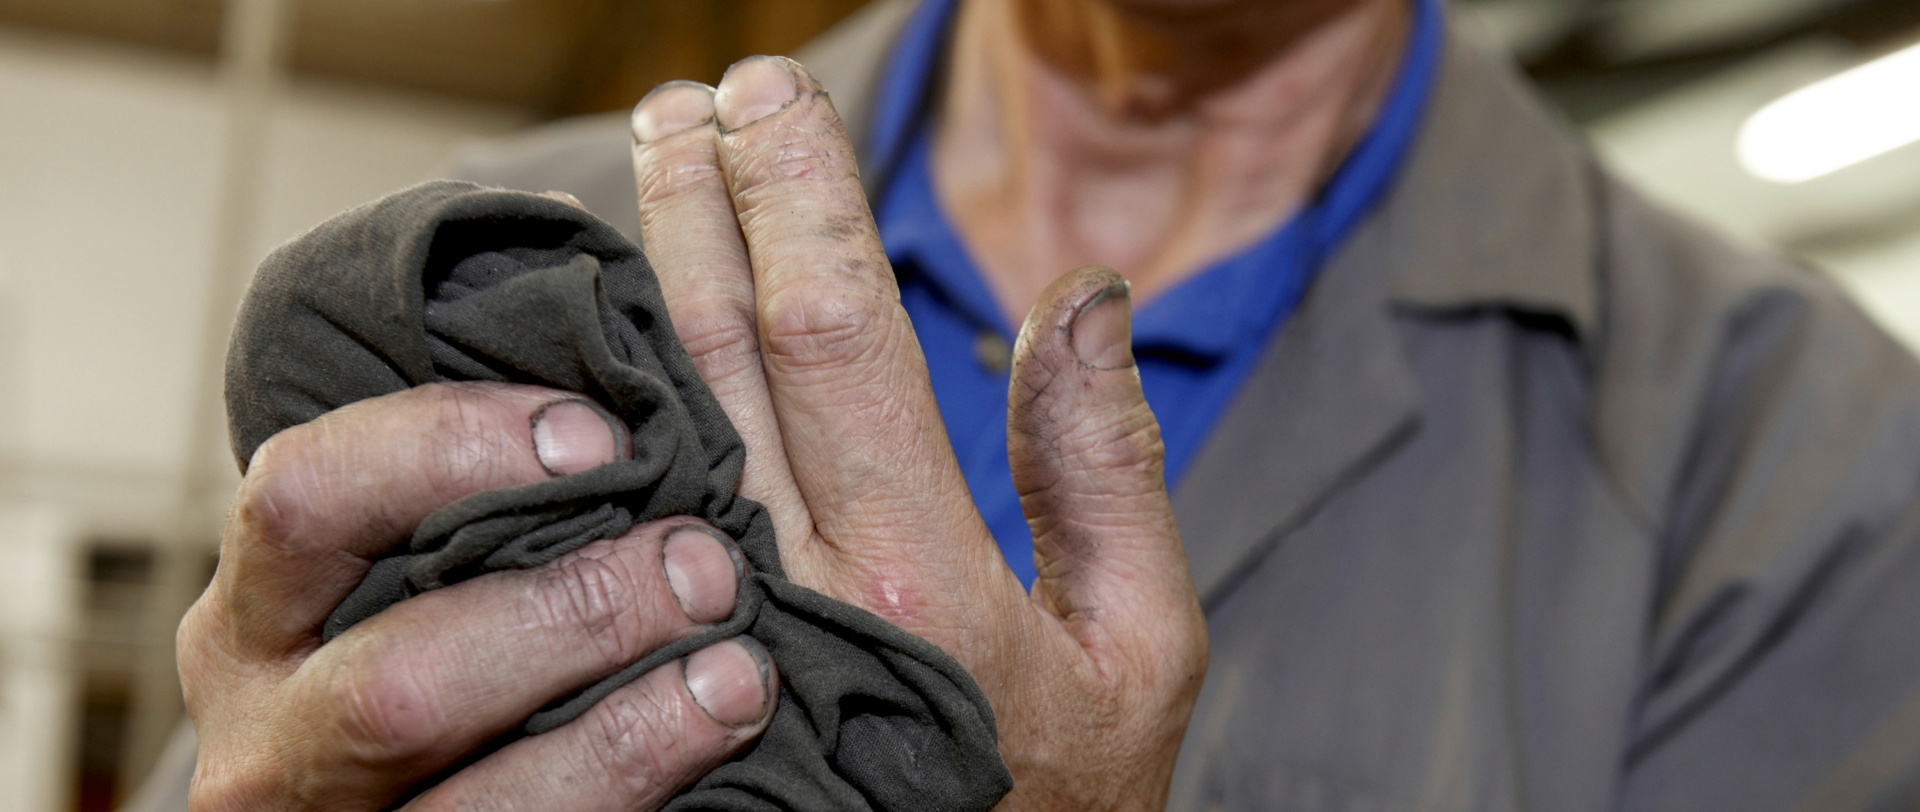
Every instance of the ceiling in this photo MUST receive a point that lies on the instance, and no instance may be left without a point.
(551, 56)
(1598, 57)
(556, 57)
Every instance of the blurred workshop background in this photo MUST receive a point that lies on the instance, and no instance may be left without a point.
(151, 151)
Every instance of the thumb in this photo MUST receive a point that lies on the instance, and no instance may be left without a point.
(1087, 461)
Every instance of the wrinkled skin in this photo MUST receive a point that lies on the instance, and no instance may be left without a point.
(755, 221)
(795, 321)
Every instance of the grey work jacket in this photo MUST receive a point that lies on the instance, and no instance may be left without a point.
(1544, 498)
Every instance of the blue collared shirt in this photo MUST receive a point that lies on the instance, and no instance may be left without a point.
(1194, 343)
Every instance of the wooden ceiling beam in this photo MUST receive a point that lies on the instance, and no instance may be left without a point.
(552, 56)
(646, 43)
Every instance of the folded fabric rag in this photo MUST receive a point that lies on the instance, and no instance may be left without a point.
(449, 281)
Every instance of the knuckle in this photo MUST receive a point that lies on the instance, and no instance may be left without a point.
(448, 440)
(1109, 453)
(807, 149)
(828, 327)
(635, 737)
(597, 598)
(672, 171)
(1114, 442)
(382, 709)
(283, 488)
(719, 334)
(467, 447)
(195, 647)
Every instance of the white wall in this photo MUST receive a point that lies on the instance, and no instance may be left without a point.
(38, 696)
(110, 166)
(109, 170)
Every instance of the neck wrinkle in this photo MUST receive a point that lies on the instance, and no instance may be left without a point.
(1040, 171)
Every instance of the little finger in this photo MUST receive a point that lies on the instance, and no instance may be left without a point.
(636, 748)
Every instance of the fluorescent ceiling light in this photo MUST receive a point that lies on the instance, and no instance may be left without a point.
(1836, 122)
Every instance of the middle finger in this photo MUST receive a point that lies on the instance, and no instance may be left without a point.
(847, 379)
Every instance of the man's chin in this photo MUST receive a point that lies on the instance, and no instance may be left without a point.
(1230, 8)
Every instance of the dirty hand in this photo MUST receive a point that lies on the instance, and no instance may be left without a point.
(419, 690)
(754, 219)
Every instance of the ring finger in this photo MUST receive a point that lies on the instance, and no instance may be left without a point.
(694, 244)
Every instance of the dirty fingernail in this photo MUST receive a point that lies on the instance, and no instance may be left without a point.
(753, 89)
(570, 436)
(703, 569)
(729, 681)
(1102, 331)
(673, 107)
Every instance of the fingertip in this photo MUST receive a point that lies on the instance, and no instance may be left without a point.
(1084, 316)
(703, 570)
(1102, 328)
(575, 434)
(754, 88)
(732, 682)
(672, 108)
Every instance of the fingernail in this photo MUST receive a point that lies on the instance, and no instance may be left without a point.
(703, 569)
(753, 89)
(570, 436)
(729, 681)
(673, 107)
(1102, 331)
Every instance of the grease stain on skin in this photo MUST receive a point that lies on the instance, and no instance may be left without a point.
(1107, 320)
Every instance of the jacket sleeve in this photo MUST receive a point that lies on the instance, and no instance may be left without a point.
(1772, 434)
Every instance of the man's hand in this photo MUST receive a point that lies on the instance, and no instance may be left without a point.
(417, 690)
(754, 218)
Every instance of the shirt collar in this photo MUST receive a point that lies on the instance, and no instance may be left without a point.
(919, 238)
(899, 102)
(1225, 306)
(1234, 301)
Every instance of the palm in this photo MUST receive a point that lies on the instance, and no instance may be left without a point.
(781, 292)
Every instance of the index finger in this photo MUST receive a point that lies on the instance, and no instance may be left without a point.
(321, 500)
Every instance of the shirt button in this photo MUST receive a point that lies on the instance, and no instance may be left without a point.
(992, 351)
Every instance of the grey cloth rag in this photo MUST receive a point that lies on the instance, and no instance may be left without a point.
(450, 281)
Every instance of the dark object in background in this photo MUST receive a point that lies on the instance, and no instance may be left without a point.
(450, 281)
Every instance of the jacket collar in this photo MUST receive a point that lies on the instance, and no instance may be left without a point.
(1496, 205)
(1494, 208)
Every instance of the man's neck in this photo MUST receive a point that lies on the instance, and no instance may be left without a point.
(1154, 142)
